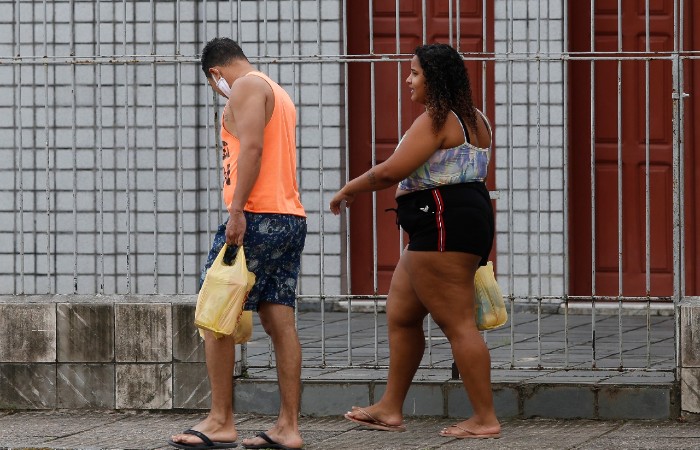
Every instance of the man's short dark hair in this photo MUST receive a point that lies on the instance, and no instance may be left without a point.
(219, 52)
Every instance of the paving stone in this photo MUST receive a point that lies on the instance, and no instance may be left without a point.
(644, 402)
(458, 404)
(85, 332)
(505, 401)
(516, 376)
(537, 434)
(89, 386)
(123, 430)
(27, 333)
(325, 399)
(573, 377)
(261, 397)
(27, 386)
(144, 386)
(263, 373)
(422, 399)
(635, 442)
(351, 374)
(191, 389)
(366, 439)
(437, 375)
(102, 429)
(640, 377)
(565, 402)
(32, 428)
(187, 345)
(143, 332)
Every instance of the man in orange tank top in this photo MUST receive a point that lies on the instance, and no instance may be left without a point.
(265, 215)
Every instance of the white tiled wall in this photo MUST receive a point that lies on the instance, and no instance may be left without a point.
(170, 230)
(531, 156)
(113, 127)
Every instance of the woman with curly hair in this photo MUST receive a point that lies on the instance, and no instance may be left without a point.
(440, 165)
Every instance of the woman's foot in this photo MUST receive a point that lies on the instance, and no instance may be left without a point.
(471, 429)
(275, 436)
(214, 430)
(373, 417)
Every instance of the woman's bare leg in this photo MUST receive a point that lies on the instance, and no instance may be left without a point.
(405, 316)
(444, 282)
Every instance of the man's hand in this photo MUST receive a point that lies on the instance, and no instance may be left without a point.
(235, 228)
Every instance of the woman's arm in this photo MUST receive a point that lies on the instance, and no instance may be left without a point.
(414, 149)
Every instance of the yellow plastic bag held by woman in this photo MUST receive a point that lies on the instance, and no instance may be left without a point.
(490, 309)
(222, 296)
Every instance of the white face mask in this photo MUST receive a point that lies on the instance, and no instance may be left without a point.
(223, 87)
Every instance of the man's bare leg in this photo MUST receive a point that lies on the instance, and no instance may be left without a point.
(278, 322)
(219, 425)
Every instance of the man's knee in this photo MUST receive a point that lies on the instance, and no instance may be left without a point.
(267, 323)
(276, 318)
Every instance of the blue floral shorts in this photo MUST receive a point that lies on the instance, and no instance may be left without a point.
(273, 244)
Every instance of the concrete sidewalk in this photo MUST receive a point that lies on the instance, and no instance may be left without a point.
(565, 386)
(143, 430)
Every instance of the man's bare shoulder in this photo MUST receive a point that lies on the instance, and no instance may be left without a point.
(250, 85)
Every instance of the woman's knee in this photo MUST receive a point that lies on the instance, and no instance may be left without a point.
(457, 326)
(406, 319)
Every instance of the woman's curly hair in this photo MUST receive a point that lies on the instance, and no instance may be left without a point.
(447, 84)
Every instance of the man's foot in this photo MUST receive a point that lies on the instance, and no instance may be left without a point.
(470, 429)
(275, 438)
(372, 417)
(215, 431)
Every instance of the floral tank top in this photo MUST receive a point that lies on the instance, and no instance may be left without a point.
(462, 164)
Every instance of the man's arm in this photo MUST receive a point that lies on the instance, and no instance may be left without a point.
(247, 106)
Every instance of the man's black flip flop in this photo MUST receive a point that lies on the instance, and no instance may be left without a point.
(270, 443)
(205, 444)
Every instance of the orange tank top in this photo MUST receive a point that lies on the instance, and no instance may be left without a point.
(275, 190)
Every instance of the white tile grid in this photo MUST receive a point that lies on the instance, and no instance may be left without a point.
(303, 87)
(537, 232)
(304, 96)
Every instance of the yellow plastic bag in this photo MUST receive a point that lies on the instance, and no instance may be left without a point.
(490, 309)
(220, 301)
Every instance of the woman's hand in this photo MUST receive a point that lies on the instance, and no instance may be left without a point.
(338, 198)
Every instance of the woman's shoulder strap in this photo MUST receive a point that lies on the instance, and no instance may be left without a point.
(464, 127)
(486, 121)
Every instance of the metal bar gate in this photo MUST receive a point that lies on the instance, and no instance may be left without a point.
(109, 175)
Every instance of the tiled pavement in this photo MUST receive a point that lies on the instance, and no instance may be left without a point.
(564, 343)
(540, 380)
(633, 376)
(112, 430)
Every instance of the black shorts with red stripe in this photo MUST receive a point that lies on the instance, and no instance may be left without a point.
(452, 218)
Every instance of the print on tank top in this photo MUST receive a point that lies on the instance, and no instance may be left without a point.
(227, 169)
(226, 152)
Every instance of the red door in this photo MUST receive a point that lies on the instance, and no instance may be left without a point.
(388, 86)
(633, 144)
